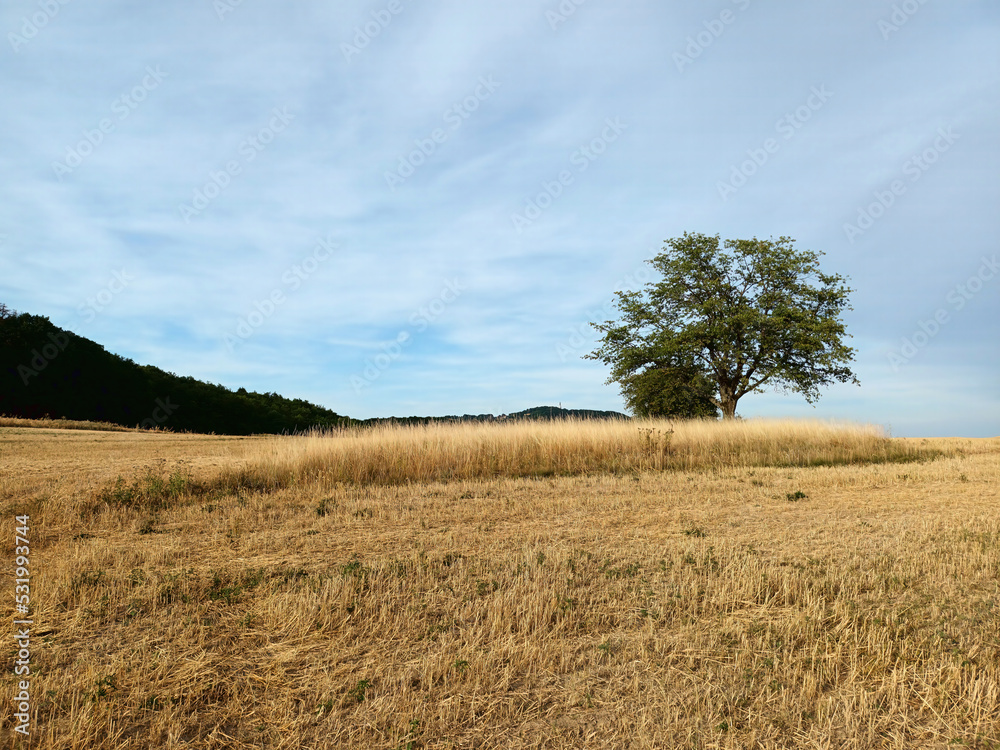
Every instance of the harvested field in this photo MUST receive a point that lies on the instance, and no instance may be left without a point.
(566, 586)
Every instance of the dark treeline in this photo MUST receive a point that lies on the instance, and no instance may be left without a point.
(536, 413)
(45, 370)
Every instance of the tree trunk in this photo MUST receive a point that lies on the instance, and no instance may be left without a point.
(727, 401)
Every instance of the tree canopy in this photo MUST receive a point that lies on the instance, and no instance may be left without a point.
(661, 392)
(724, 322)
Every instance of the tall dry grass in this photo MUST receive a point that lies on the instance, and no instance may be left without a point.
(390, 455)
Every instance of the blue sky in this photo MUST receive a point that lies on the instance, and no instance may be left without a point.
(396, 208)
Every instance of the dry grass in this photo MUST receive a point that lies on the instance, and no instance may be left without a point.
(729, 605)
(62, 424)
(389, 455)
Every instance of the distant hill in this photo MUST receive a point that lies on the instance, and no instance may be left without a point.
(45, 370)
(537, 413)
(554, 412)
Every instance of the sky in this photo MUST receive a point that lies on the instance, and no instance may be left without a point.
(417, 208)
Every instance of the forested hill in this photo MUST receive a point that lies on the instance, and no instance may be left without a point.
(45, 370)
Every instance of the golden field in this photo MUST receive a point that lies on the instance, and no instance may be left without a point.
(543, 585)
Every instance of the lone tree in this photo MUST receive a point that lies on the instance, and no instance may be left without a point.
(724, 323)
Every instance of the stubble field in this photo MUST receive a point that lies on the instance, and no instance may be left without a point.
(572, 585)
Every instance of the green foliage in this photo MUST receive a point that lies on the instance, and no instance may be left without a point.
(358, 691)
(678, 392)
(120, 493)
(484, 588)
(253, 577)
(353, 568)
(150, 491)
(104, 687)
(409, 740)
(219, 591)
(724, 322)
(86, 578)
